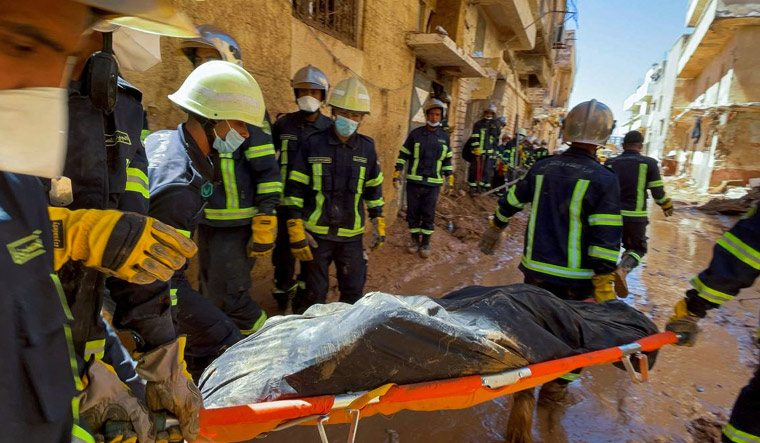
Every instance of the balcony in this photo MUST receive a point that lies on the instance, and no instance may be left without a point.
(534, 65)
(714, 27)
(514, 21)
(696, 8)
(440, 52)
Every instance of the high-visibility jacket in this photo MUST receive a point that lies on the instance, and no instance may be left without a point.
(426, 156)
(735, 265)
(107, 165)
(40, 376)
(541, 152)
(637, 174)
(250, 182)
(575, 226)
(510, 154)
(330, 183)
(287, 132)
(485, 135)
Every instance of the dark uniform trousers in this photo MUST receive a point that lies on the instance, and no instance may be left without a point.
(486, 163)
(421, 201)
(285, 267)
(635, 237)
(350, 264)
(225, 272)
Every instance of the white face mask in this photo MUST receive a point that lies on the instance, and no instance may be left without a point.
(33, 131)
(308, 103)
(433, 125)
(135, 50)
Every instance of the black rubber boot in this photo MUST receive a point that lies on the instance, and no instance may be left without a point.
(425, 246)
(414, 247)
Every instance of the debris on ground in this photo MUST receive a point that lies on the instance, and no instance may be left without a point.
(733, 203)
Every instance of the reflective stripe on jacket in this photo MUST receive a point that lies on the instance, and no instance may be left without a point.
(426, 156)
(330, 183)
(575, 227)
(637, 174)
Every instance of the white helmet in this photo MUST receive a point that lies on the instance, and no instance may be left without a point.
(433, 103)
(589, 122)
(219, 90)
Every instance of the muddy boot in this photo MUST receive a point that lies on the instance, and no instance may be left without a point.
(414, 246)
(520, 424)
(556, 394)
(425, 246)
(285, 299)
(626, 265)
(474, 191)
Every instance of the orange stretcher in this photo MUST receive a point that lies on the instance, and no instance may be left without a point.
(245, 422)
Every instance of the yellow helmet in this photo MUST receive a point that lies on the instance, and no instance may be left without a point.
(350, 94)
(220, 90)
(154, 16)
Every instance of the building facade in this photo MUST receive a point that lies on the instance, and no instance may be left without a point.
(472, 53)
(709, 127)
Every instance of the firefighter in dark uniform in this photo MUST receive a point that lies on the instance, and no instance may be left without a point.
(735, 265)
(479, 151)
(513, 154)
(542, 151)
(221, 99)
(573, 235)
(335, 174)
(637, 174)
(247, 196)
(39, 369)
(425, 156)
(310, 87)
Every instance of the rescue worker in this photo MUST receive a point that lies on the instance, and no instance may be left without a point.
(734, 266)
(573, 235)
(39, 370)
(221, 100)
(334, 176)
(310, 87)
(511, 157)
(479, 151)
(542, 151)
(242, 204)
(425, 157)
(637, 174)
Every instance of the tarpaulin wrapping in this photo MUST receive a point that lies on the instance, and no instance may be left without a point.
(382, 338)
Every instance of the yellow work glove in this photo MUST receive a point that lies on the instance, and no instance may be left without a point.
(603, 287)
(106, 401)
(667, 208)
(684, 324)
(491, 239)
(451, 182)
(170, 387)
(378, 233)
(477, 151)
(129, 246)
(396, 179)
(264, 229)
(300, 240)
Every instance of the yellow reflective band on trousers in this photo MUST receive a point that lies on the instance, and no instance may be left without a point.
(173, 296)
(575, 231)
(709, 293)
(571, 377)
(79, 435)
(293, 201)
(358, 199)
(229, 214)
(256, 326)
(641, 188)
(375, 203)
(259, 151)
(269, 188)
(138, 182)
(533, 214)
(230, 184)
(299, 177)
(96, 348)
(739, 436)
(742, 251)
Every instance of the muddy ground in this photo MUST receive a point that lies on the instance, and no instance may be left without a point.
(691, 390)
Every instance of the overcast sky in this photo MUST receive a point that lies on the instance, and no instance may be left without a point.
(618, 41)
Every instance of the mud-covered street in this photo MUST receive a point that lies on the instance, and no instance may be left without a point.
(690, 392)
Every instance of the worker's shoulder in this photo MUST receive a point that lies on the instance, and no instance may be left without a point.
(651, 161)
(366, 140)
(126, 88)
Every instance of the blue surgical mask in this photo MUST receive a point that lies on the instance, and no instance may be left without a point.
(231, 142)
(345, 126)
